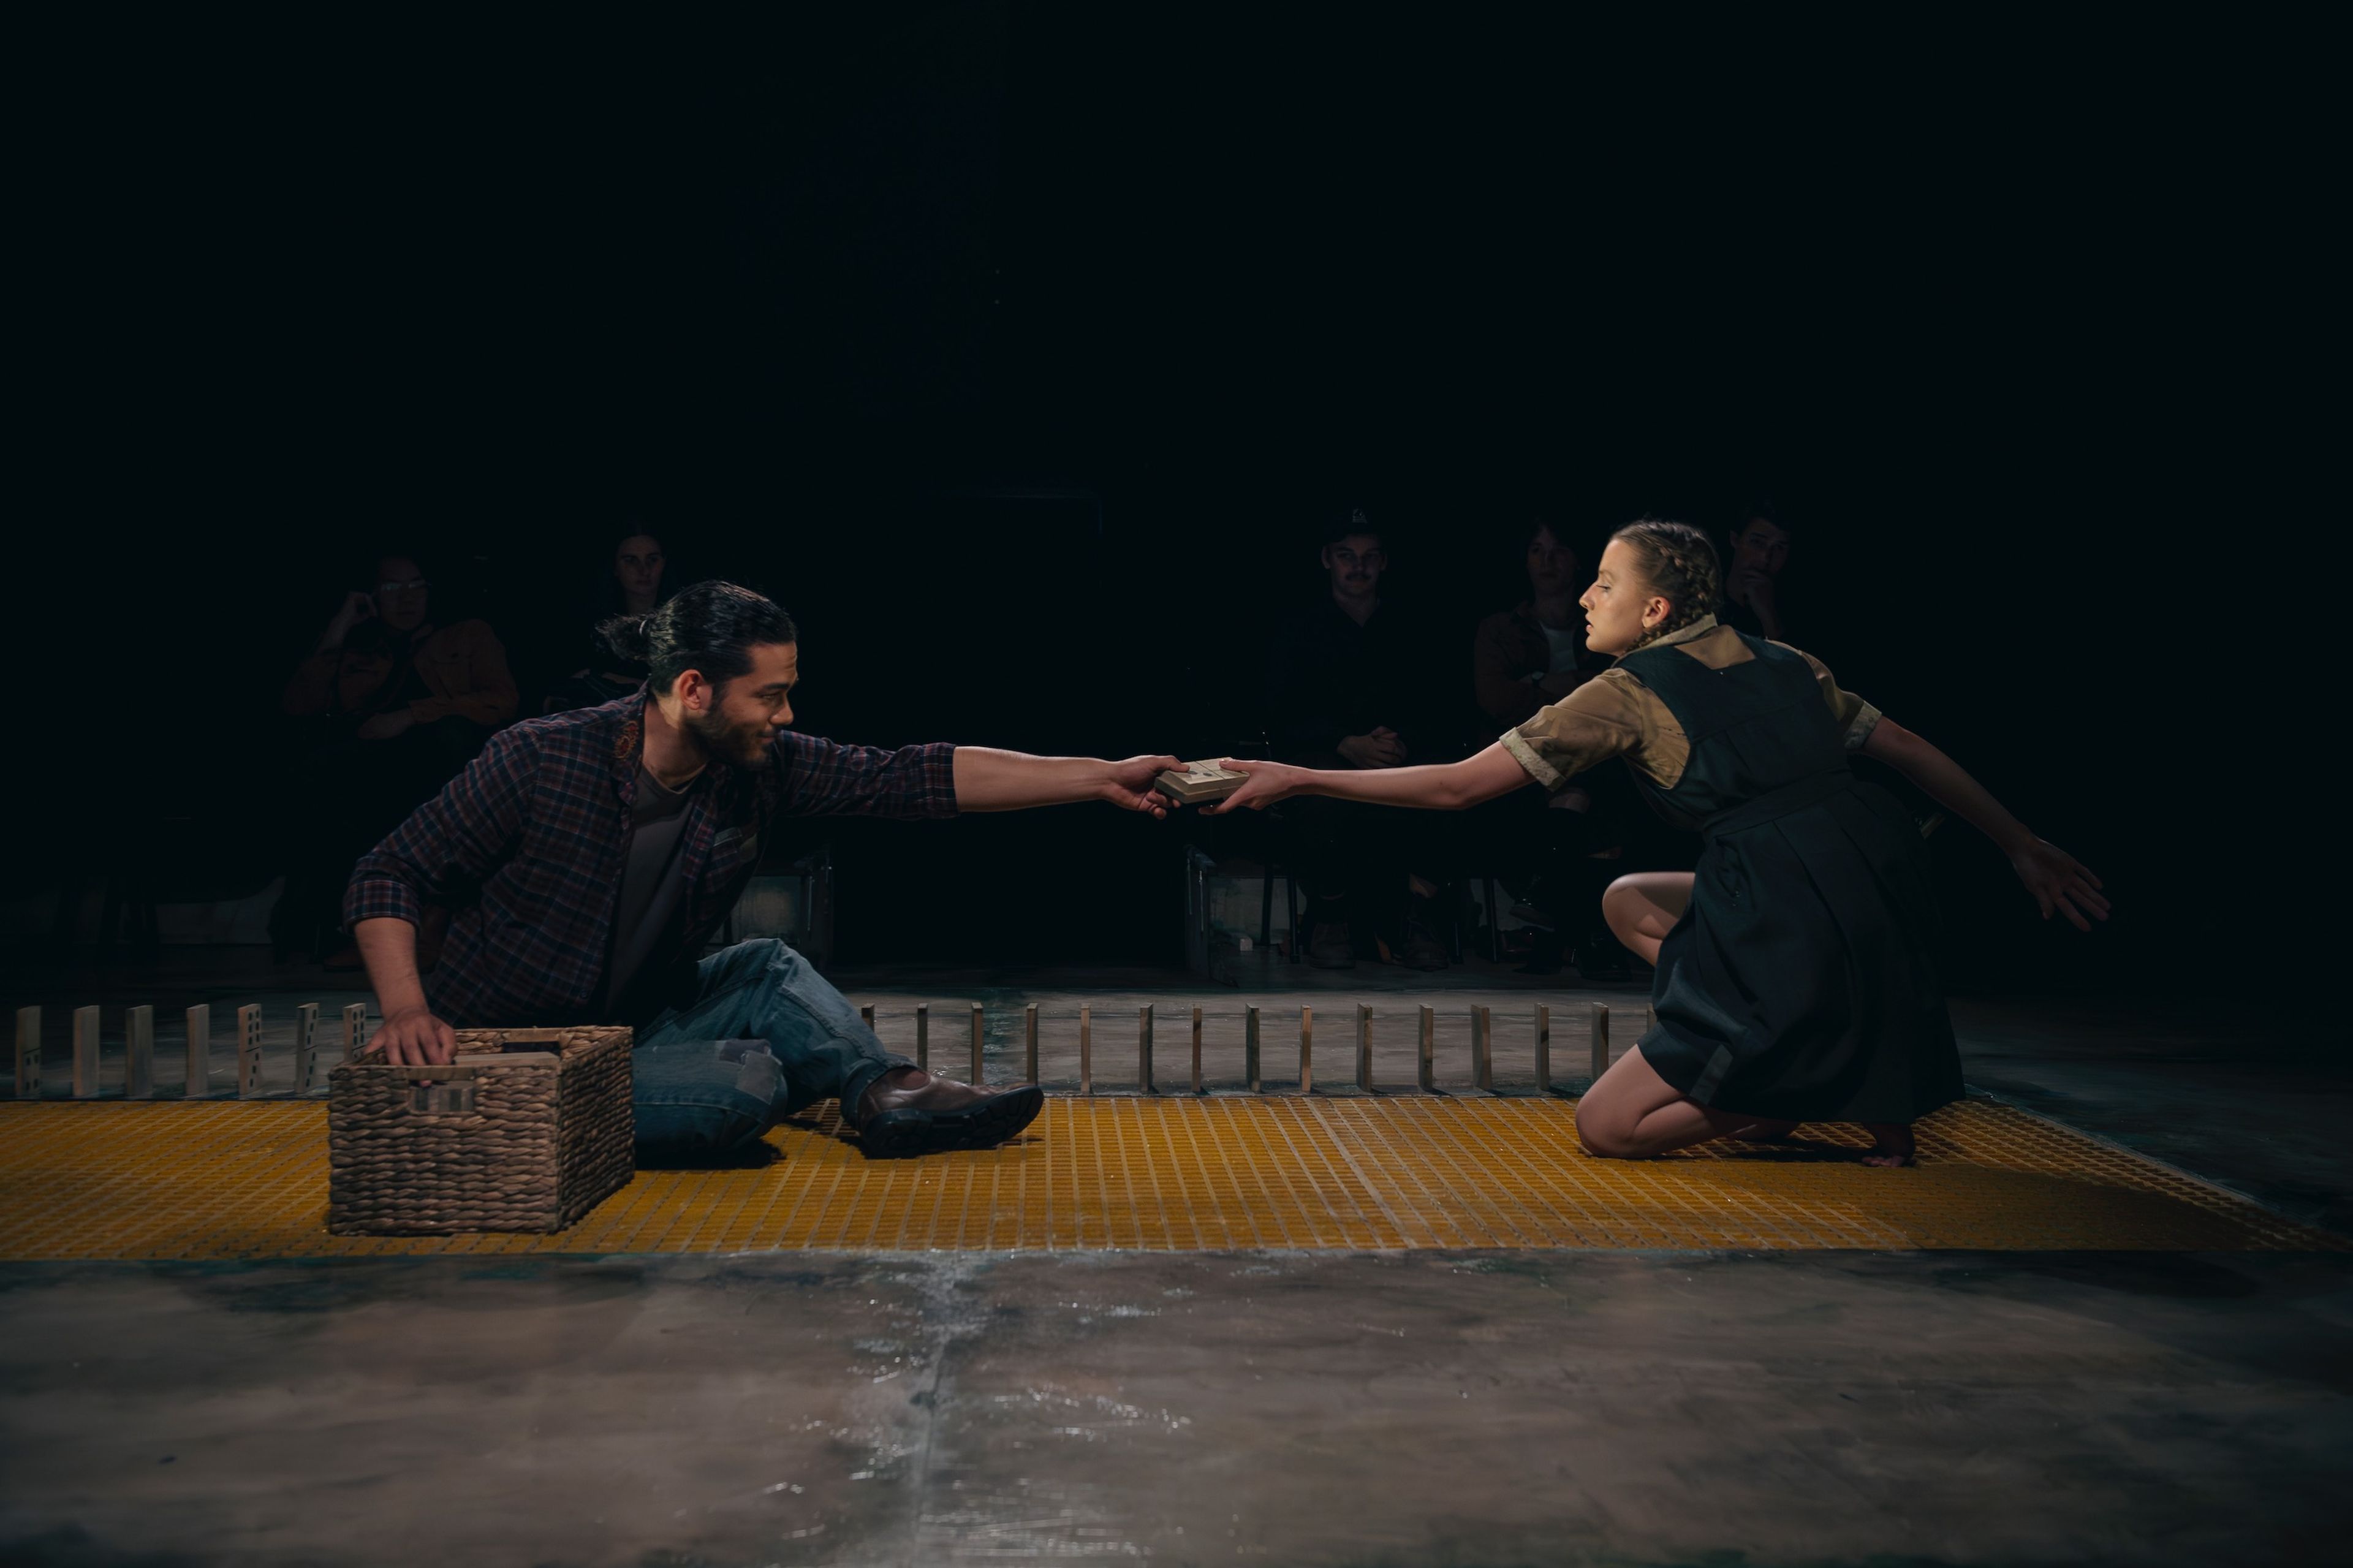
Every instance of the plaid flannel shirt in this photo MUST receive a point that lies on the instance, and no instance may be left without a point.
(526, 845)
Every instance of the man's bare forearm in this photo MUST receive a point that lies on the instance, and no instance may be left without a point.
(991, 780)
(389, 947)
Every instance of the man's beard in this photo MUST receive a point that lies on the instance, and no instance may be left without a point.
(736, 746)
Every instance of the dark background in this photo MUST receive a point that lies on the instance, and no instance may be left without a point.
(1014, 347)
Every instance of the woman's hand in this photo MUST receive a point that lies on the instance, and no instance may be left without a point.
(2058, 881)
(1268, 783)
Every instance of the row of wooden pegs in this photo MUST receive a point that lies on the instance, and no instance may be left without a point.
(139, 1050)
(1483, 1039)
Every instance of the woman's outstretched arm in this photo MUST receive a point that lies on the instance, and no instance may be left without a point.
(2055, 877)
(1451, 786)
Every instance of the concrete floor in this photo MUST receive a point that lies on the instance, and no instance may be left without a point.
(1424, 1409)
(1350, 1409)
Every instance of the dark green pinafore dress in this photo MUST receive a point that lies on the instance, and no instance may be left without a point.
(1801, 983)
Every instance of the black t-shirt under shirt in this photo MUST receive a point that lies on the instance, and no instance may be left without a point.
(651, 894)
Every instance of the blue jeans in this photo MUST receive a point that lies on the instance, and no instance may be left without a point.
(765, 1036)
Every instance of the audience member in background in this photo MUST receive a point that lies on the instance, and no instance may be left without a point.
(639, 580)
(1752, 591)
(1555, 854)
(1527, 657)
(1351, 684)
(396, 704)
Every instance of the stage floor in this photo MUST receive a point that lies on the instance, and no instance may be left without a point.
(231, 1180)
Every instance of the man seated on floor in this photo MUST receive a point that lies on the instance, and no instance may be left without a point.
(591, 854)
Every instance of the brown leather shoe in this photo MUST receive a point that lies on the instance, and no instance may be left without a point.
(909, 1111)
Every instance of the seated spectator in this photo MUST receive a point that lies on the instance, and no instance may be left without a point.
(1533, 655)
(1752, 591)
(1553, 854)
(1350, 684)
(639, 580)
(396, 705)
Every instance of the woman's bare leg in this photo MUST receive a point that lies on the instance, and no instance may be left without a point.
(1644, 907)
(1633, 1113)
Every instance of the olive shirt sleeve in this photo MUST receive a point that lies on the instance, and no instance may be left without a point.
(1857, 719)
(1607, 717)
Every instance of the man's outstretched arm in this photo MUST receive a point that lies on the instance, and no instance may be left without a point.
(991, 780)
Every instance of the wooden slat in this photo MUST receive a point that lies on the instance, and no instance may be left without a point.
(85, 1053)
(306, 1046)
(248, 1050)
(139, 1053)
(28, 1053)
(198, 1081)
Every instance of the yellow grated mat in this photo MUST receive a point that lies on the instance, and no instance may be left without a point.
(232, 1180)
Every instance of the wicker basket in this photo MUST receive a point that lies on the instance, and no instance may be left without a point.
(526, 1130)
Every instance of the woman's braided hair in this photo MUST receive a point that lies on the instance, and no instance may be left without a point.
(1678, 563)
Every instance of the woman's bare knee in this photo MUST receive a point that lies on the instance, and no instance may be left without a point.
(1606, 1142)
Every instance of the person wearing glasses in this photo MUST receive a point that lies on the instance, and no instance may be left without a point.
(1351, 683)
(376, 750)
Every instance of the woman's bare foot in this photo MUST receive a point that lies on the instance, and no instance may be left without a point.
(1891, 1147)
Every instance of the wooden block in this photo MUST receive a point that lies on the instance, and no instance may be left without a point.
(1364, 1047)
(1196, 1050)
(1249, 1051)
(1307, 1050)
(923, 1036)
(1426, 1069)
(28, 1053)
(1143, 1050)
(139, 1053)
(1483, 1048)
(1086, 1050)
(248, 1050)
(354, 1031)
(85, 1057)
(1543, 1049)
(198, 1083)
(1195, 783)
(1601, 1041)
(306, 1045)
(866, 1016)
(977, 1027)
(1029, 1052)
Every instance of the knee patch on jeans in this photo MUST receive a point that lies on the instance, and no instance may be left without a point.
(719, 1110)
(757, 1072)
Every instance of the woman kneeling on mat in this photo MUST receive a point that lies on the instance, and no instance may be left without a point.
(1796, 978)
